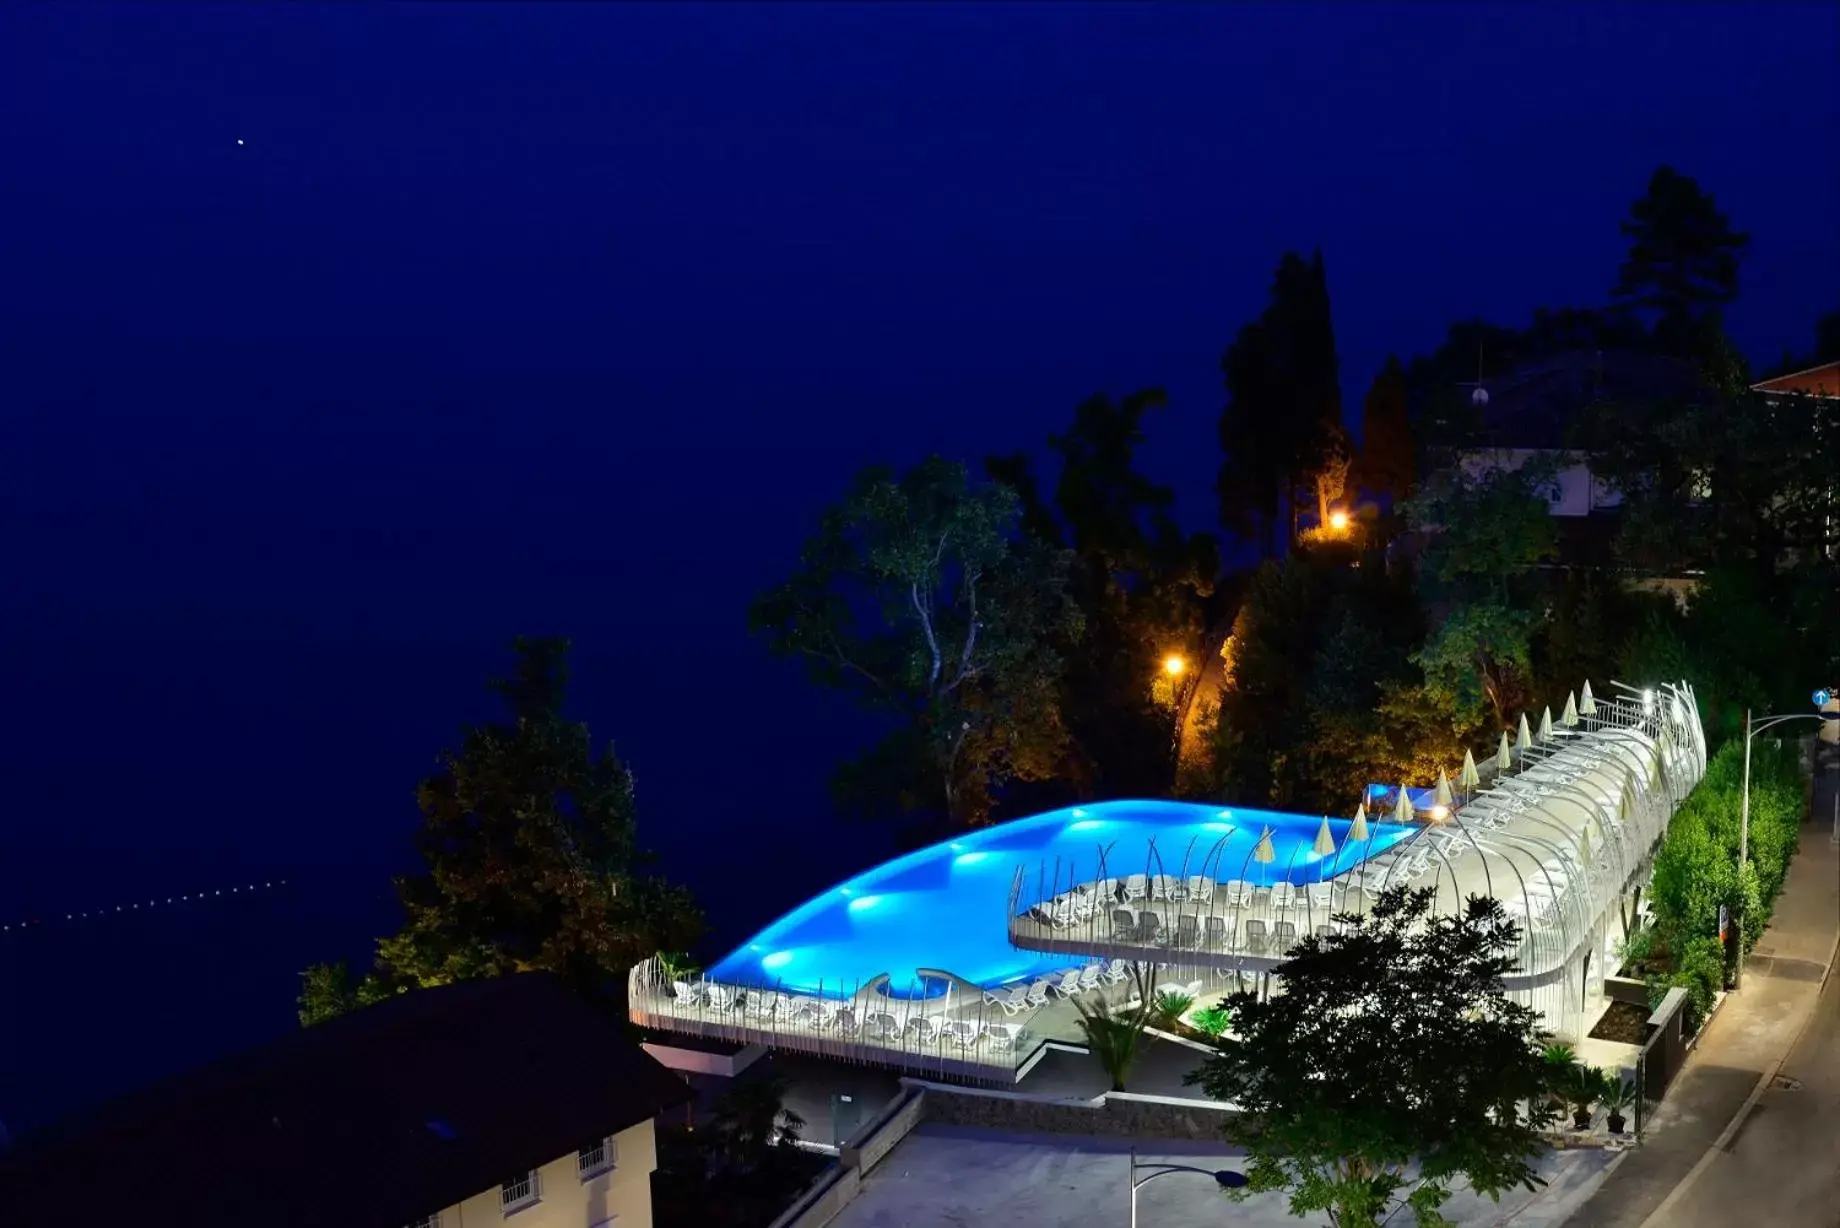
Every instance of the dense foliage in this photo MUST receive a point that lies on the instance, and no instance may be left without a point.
(531, 859)
(1697, 870)
(1392, 1066)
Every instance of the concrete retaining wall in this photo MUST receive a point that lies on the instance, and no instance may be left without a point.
(1626, 989)
(839, 1183)
(1120, 1114)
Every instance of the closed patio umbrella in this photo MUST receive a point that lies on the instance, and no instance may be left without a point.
(1504, 758)
(1402, 810)
(1523, 738)
(1263, 852)
(1569, 718)
(1358, 829)
(1587, 704)
(1546, 724)
(1444, 796)
(1325, 840)
(1469, 777)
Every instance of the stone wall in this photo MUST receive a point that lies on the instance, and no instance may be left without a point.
(1120, 1114)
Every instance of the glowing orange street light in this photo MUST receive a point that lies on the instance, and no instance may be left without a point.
(1174, 665)
(1338, 520)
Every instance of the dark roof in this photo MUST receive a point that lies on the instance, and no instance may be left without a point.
(1534, 406)
(331, 1125)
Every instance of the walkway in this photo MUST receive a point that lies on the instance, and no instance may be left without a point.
(1752, 1035)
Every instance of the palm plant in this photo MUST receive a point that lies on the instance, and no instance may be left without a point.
(1112, 1034)
(1171, 1005)
(751, 1122)
(1616, 1095)
(1581, 1087)
(676, 966)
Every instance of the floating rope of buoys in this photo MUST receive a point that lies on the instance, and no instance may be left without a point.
(136, 906)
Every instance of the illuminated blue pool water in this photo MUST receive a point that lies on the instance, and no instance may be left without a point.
(944, 907)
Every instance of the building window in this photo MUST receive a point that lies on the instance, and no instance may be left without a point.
(596, 1158)
(518, 1194)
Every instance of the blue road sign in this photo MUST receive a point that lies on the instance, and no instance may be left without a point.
(1821, 697)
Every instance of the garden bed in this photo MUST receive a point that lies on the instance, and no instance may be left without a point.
(1624, 1023)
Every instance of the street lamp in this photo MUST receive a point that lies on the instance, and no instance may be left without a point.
(1338, 521)
(1175, 668)
(1225, 1178)
(1751, 730)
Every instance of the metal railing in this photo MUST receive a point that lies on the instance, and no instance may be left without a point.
(962, 1034)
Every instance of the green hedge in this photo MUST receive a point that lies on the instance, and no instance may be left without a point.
(1696, 869)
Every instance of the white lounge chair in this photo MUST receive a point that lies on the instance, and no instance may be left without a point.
(1069, 984)
(1136, 887)
(1188, 931)
(1092, 976)
(1236, 890)
(1013, 1000)
(845, 1022)
(1118, 970)
(1219, 933)
(1124, 926)
(1038, 992)
(922, 1029)
(961, 1032)
(685, 994)
(1200, 887)
(1002, 1036)
(721, 997)
(1284, 936)
(880, 1025)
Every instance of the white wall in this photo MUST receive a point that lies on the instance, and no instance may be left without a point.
(1577, 493)
(621, 1197)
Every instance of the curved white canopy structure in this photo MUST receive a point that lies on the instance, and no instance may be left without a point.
(1562, 843)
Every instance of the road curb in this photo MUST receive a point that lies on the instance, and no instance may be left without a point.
(1658, 1217)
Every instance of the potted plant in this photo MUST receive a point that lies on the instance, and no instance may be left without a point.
(1617, 1094)
(1561, 1059)
(1583, 1088)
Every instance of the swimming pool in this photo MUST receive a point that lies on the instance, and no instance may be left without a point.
(944, 906)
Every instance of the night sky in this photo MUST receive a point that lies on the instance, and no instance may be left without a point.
(339, 345)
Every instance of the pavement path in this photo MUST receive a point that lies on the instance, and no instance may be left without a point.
(1723, 1146)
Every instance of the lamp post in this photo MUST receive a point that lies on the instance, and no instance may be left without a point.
(1751, 730)
(1181, 682)
(1225, 1178)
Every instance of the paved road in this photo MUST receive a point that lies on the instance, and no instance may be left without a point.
(953, 1177)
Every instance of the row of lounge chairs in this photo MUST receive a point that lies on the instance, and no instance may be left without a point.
(1017, 999)
(780, 1012)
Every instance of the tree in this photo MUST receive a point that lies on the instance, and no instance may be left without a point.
(1141, 586)
(919, 598)
(1392, 1065)
(1682, 264)
(1282, 422)
(1386, 466)
(1485, 532)
(531, 859)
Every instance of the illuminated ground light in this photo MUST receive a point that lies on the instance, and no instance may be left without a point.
(864, 903)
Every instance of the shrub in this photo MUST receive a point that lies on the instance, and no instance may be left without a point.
(1696, 869)
(1213, 1020)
